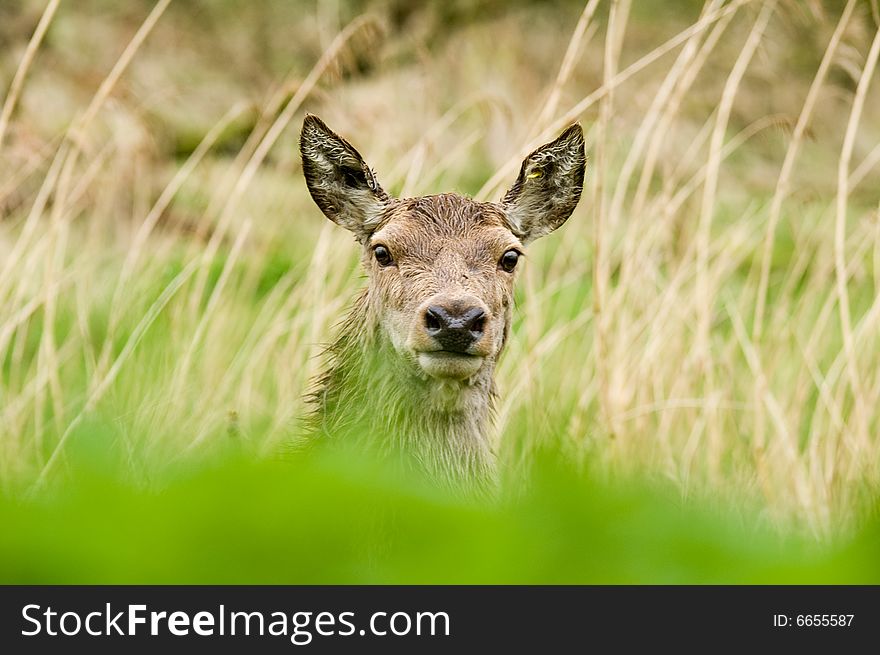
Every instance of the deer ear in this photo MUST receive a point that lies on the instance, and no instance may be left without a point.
(548, 187)
(341, 183)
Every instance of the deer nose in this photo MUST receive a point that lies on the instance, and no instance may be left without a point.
(455, 330)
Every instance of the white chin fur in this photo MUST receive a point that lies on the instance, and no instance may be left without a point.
(448, 366)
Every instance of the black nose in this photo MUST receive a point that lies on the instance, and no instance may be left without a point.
(455, 330)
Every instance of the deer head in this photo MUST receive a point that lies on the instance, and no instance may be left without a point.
(442, 268)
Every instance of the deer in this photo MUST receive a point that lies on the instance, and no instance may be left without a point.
(412, 369)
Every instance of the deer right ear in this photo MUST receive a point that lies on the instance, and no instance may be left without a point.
(341, 183)
(548, 187)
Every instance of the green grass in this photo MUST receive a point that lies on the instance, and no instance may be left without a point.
(337, 518)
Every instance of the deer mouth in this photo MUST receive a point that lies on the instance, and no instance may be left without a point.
(446, 364)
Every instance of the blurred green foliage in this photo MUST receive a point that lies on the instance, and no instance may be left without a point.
(334, 517)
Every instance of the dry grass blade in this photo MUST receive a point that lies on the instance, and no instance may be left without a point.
(26, 60)
(507, 169)
(783, 183)
(840, 241)
(575, 43)
(710, 186)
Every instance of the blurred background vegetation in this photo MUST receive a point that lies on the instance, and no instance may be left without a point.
(691, 390)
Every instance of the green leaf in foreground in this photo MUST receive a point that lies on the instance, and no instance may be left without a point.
(336, 518)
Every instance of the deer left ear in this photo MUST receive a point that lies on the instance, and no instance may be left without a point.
(548, 187)
(343, 186)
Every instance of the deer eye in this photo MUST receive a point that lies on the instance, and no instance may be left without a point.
(382, 256)
(508, 260)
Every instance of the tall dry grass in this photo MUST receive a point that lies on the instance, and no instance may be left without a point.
(709, 314)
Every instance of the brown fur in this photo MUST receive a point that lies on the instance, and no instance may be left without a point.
(387, 382)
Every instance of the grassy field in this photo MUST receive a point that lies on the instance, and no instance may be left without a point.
(690, 392)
